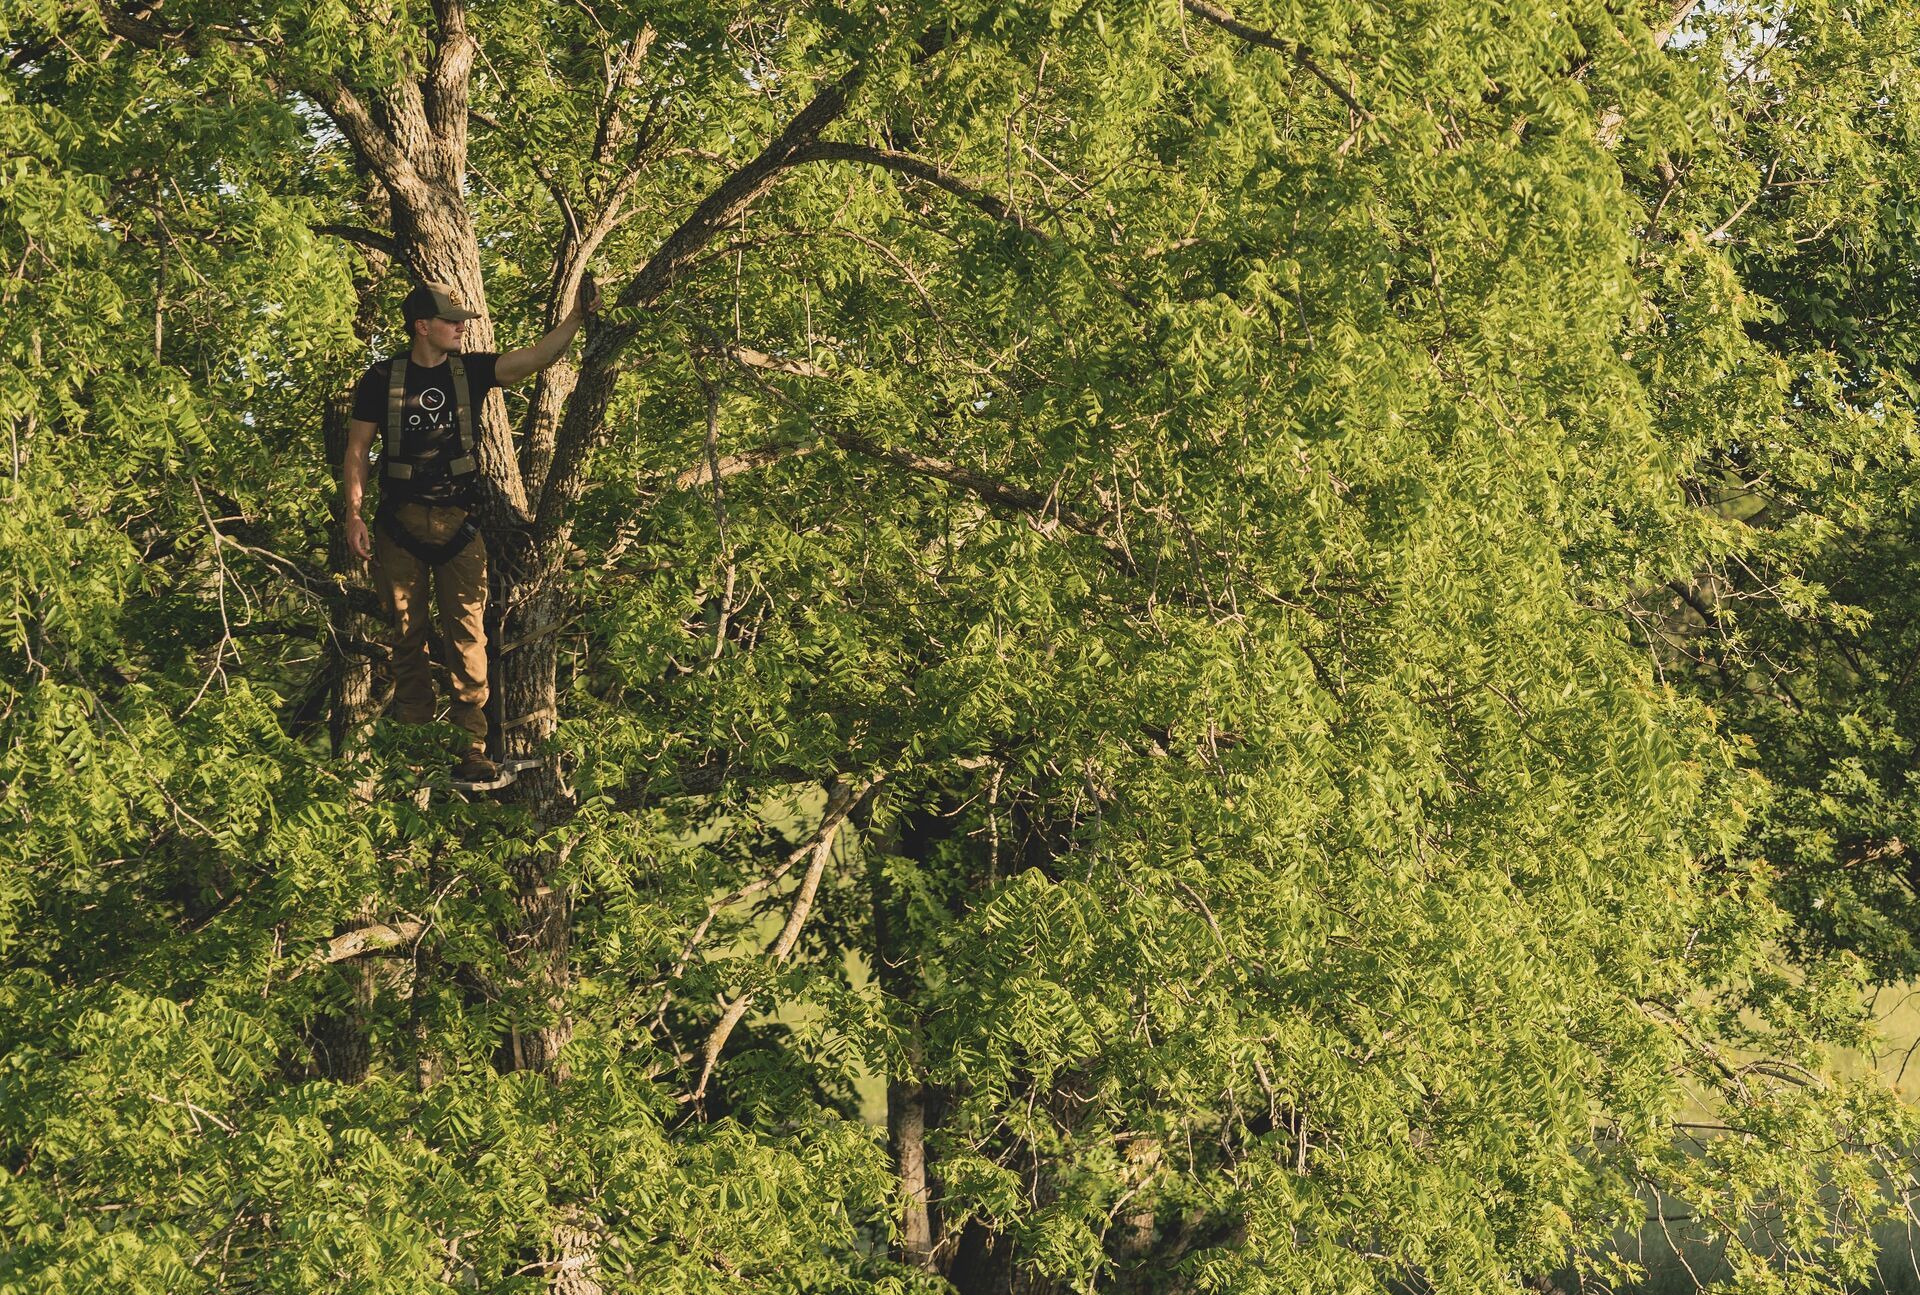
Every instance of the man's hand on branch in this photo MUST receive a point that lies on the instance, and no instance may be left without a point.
(588, 300)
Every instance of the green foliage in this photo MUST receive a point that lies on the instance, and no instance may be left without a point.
(1221, 513)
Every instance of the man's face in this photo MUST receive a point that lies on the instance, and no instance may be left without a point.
(447, 334)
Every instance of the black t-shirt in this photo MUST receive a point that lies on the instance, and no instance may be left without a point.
(429, 425)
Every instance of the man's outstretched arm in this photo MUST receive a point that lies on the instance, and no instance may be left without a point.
(529, 360)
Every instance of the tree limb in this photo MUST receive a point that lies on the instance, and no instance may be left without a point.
(367, 238)
(377, 938)
(732, 465)
(752, 359)
(378, 149)
(450, 75)
(920, 169)
(612, 122)
(766, 881)
(585, 418)
(842, 799)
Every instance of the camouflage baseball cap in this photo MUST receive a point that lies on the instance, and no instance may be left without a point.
(436, 301)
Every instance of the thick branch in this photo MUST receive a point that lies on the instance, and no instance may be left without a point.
(842, 800)
(723, 208)
(450, 76)
(377, 938)
(376, 146)
(367, 238)
(1267, 40)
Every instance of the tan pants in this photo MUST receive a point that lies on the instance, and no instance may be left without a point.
(460, 589)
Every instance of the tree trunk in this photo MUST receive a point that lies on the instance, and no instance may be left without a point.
(982, 1262)
(526, 605)
(896, 971)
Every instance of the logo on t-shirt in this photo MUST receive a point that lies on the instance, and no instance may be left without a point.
(432, 398)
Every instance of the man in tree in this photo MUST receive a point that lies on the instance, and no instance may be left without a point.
(426, 404)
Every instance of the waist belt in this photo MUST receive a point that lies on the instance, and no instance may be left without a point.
(434, 555)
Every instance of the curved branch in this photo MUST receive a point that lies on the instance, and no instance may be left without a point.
(367, 238)
(921, 169)
(1291, 48)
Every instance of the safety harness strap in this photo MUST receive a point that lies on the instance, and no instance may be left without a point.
(396, 407)
(397, 469)
(386, 517)
(463, 410)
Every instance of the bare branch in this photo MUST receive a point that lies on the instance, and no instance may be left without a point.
(764, 882)
(732, 465)
(325, 588)
(778, 364)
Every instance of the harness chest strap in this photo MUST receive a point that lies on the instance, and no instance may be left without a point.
(394, 468)
(396, 406)
(462, 408)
